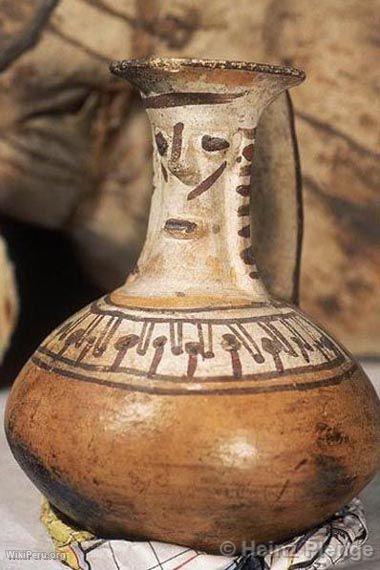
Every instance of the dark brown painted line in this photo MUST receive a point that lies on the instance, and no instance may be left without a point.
(178, 379)
(247, 256)
(88, 330)
(302, 317)
(164, 173)
(291, 387)
(250, 345)
(193, 349)
(176, 331)
(248, 152)
(100, 344)
(276, 335)
(295, 296)
(184, 319)
(209, 348)
(243, 210)
(213, 144)
(232, 345)
(207, 182)
(105, 340)
(248, 132)
(159, 348)
(161, 143)
(180, 99)
(245, 170)
(145, 338)
(245, 231)
(177, 225)
(253, 305)
(243, 190)
(317, 341)
(254, 275)
(177, 142)
(246, 337)
(71, 324)
(236, 364)
(122, 346)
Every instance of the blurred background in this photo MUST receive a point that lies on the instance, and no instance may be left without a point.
(75, 150)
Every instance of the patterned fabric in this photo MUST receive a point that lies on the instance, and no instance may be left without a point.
(318, 549)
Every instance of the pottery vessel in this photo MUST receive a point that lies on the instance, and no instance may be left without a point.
(189, 406)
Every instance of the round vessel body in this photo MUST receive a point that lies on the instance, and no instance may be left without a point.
(194, 426)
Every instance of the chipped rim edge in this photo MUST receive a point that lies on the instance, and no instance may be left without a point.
(174, 65)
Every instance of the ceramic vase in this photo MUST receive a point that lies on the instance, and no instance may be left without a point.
(189, 406)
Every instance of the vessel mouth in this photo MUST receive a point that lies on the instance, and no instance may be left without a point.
(122, 68)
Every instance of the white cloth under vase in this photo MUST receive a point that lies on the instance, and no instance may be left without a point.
(339, 539)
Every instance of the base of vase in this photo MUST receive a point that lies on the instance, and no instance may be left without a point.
(340, 536)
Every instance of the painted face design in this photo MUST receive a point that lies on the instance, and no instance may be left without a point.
(196, 161)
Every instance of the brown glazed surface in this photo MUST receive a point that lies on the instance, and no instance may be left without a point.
(189, 406)
(195, 470)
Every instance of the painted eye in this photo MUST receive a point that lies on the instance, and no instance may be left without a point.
(161, 142)
(212, 144)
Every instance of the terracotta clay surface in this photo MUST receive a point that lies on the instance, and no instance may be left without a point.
(189, 406)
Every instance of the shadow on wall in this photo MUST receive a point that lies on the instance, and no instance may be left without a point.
(51, 287)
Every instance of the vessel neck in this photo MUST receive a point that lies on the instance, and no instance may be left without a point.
(199, 234)
(203, 116)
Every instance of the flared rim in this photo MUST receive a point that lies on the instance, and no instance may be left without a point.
(169, 64)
